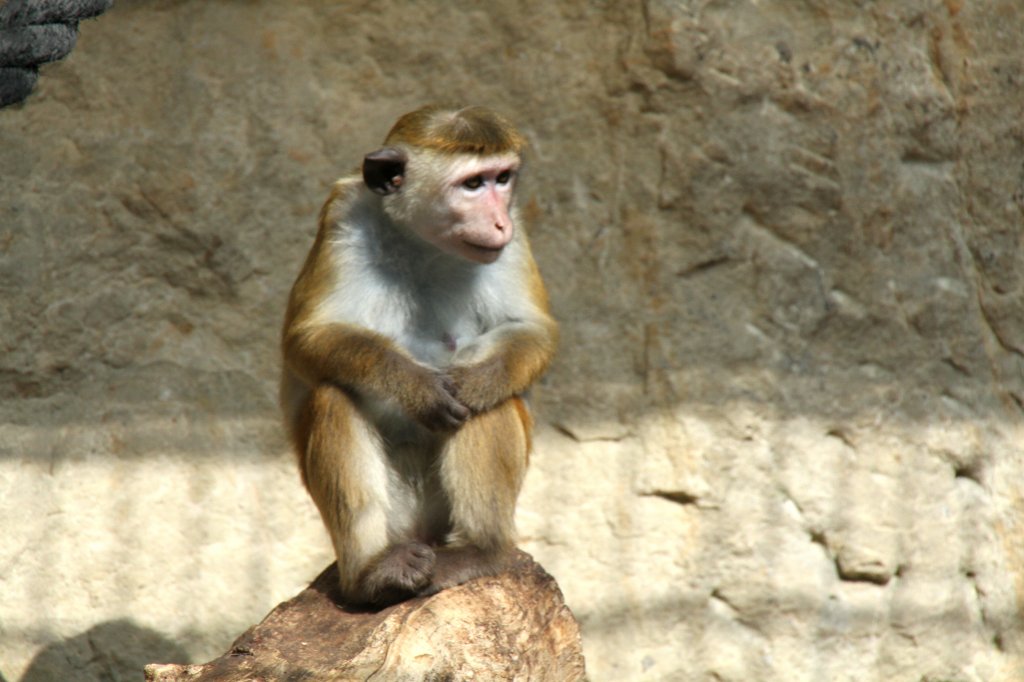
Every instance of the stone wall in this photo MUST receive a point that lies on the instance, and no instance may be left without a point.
(784, 437)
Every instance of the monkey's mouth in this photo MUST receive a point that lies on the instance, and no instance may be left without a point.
(486, 249)
(485, 253)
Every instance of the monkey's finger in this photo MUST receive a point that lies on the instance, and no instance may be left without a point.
(452, 416)
(449, 384)
(460, 411)
(451, 422)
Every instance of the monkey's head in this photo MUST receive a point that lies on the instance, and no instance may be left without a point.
(447, 175)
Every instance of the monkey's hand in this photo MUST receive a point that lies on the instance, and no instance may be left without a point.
(503, 362)
(482, 385)
(433, 402)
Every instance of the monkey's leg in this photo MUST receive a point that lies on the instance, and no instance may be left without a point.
(482, 470)
(345, 469)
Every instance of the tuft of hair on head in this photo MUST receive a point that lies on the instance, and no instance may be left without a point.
(457, 130)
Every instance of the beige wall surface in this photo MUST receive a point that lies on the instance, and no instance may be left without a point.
(784, 436)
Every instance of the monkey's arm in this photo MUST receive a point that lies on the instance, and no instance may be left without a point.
(512, 357)
(318, 349)
(369, 364)
(507, 359)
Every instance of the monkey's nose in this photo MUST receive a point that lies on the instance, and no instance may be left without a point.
(502, 222)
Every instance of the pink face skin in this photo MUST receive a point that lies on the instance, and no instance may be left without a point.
(479, 195)
(460, 204)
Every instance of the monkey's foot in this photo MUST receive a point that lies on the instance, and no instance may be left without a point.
(456, 565)
(401, 571)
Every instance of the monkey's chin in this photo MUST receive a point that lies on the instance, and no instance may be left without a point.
(481, 254)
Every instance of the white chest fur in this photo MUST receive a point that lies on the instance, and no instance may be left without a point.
(437, 309)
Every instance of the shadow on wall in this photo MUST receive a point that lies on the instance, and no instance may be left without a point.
(109, 652)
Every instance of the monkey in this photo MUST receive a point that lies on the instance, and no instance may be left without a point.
(412, 333)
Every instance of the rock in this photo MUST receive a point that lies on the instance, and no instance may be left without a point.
(514, 626)
(33, 33)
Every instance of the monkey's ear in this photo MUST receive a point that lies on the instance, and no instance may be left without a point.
(384, 170)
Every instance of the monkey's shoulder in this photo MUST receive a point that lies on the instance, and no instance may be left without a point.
(348, 201)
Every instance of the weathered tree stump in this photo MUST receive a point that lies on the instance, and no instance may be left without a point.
(514, 626)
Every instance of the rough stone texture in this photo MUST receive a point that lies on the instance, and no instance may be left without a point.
(784, 437)
(33, 32)
(454, 635)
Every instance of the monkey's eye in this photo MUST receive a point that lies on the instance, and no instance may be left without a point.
(504, 177)
(474, 182)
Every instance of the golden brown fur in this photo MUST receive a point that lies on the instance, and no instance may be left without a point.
(466, 130)
(404, 370)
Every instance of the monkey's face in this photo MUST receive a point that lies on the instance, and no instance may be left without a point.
(460, 204)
